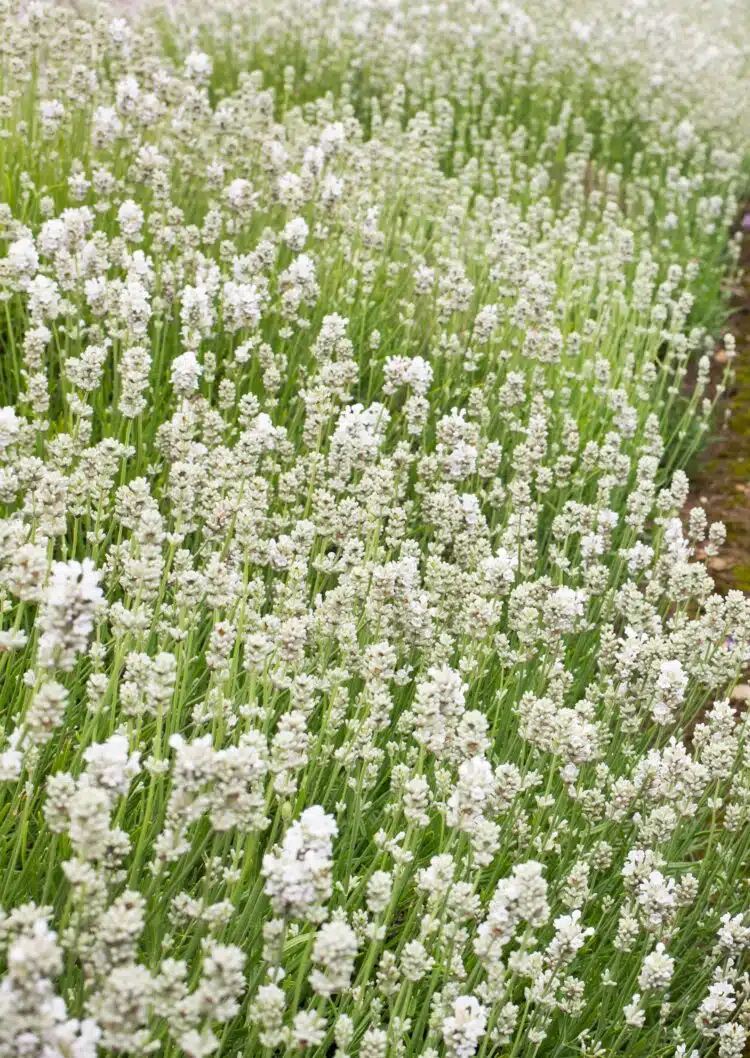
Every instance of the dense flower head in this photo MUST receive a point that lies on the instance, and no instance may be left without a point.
(298, 875)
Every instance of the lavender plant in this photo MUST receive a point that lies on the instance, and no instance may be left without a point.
(364, 691)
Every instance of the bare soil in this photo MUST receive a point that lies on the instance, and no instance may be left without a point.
(721, 474)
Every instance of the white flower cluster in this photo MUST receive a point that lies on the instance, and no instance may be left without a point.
(298, 875)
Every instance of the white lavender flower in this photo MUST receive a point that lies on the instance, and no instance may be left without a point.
(298, 874)
(67, 612)
(464, 1028)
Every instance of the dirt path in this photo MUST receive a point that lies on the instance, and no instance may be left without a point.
(721, 474)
